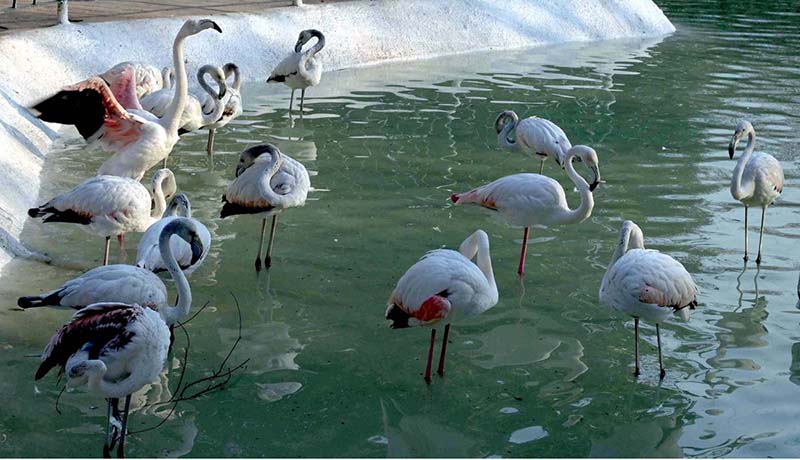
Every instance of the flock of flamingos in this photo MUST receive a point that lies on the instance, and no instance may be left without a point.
(118, 340)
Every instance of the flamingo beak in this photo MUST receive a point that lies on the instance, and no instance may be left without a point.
(597, 180)
(223, 89)
(215, 26)
(197, 249)
(732, 146)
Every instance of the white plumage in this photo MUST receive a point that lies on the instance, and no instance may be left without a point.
(300, 69)
(445, 285)
(232, 101)
(148, 254)
(533, 135)
(138, 139)
(267, 182)
(757, 179)
(116, 349)
(646, 284)
(532, 199)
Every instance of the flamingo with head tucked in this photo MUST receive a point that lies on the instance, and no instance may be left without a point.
(445, 285)
(533, 135)
(533, 199)
(647, 284)
(139, 139)
(300, 69)
(757, 179)
(267, 182)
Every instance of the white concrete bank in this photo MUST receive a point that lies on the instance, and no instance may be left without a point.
(36, 63)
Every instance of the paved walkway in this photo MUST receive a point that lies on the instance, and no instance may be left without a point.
(43, 14)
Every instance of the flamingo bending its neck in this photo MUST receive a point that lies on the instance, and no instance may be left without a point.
(233, 104)
(533, 135)
(300, 69)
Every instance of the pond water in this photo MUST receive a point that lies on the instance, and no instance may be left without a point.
(546, 372)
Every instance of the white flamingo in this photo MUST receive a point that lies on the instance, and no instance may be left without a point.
(267, 182)
(757, 179)
(114, 348)
(129, 284)
(444, 285)
(646, 284)
(300, 69)
(147, 78)
(533, 135)
(162, 187)
(148, 254)
(532, 199)
(138, 139)
(233, 103)
(201, 109)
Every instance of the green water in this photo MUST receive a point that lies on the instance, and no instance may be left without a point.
(547, 372)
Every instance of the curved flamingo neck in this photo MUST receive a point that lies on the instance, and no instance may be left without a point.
(98, 384)
(631, 237)
(737, 190)
(159, 200)
(174, 314)
(503, 137)
(310, 53)
(583, 211)
(172, 117)
(477, 246)
(219, 105)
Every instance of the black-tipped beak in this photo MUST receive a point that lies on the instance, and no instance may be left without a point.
(597, 180)
(594, 185)
(731, 149)
(216, 26)
(197, 250)
(222, 92)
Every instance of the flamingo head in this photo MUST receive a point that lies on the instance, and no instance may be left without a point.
(589, 158)
(304, 37)
(179, 206)
(743, 128)
(250, 154)
(195, 26)
(503, 118)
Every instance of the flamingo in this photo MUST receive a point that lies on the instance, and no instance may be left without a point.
(114, 348)
(533, 135)
(148, 254)
(139, 139)
(647, 284)
(162, 187)
(103, 205)
(233, 104)
(201, 109)
(147, 78)
(300, 69)
(532, 199)
(444, 285)
(265, 185)
(757, 178)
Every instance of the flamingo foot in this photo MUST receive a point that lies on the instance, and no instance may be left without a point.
(636, 372)
(758, 260)
(663, 373)
(267, 261)
(746, 258)
(258, 264)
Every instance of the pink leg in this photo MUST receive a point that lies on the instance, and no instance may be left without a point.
(440, 371)
(430, 357)
(123, 255)
(521, 269)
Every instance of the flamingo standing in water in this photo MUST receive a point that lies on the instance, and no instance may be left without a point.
(139, 139)
(300, 69)
(116, 349)
(267, 182)
(147, 78)
(757, 179)
(532, 135)
(647, 284)
(533, 199)
(233, 104)
(444, 285)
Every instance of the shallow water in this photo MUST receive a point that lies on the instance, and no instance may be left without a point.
(547, 372)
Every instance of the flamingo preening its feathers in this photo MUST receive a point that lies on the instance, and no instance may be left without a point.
(267, 182)
(444, 285)
(233, 104)
(114, 348)
(532, 199)
(646, 284)
(533, 135)
(300, 69)
(757, 179)
(147, 78)
(138, 139)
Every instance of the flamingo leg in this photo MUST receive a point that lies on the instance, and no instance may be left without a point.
(745, 234)
(662, 372)
(291, 101)
(636, 345)
(210, 146)
(541, 167)
(261, 244)
(165, 162)
(521, 269)
(302, 98)
(105, 253)
(124, 428)
(440, 371)
(430, 356)
(761, 235)
(111, 427)
(268, 257)
(123, 254)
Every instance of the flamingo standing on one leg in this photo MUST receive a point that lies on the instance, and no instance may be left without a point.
(233, 104)
(645, 283)
(116, 349)
(139, 139)
(300, 69)
(757, 179)
(444, 285)
(533, 199)
(267, 182)
(533, 135)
